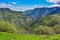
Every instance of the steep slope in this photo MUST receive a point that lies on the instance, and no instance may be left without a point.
(18, 18)
(39, 12)
(43, 19)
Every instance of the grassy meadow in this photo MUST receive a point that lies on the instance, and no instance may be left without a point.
(8, 36)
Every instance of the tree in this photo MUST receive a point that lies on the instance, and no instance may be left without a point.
(57, 28)
(6, 26)
(44, 30)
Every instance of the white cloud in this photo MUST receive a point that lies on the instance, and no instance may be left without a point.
(14, 2)
(24, 8)
(53, 1)
(2, 5)
(55, 5)
(21, 8)
(17, 8)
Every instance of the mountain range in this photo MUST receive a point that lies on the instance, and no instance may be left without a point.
(23, 18)
(35, 21)
(39, 12)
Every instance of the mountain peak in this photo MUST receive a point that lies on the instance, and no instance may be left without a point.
(39, 12)
(5, 9)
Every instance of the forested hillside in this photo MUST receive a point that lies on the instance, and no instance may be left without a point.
(18, 18)
(48, 24)
(23, 24)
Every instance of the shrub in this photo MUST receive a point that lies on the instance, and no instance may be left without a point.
(5, 26)
(21, 31)
(57, 28)
(44, 30)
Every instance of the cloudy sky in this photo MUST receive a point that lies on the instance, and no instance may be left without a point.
(21, 5)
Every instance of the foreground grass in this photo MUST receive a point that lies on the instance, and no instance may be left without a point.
(7, 36)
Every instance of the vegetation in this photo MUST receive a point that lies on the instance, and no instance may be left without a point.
(47, 22)
(17, 26)
(20, 23)
(7, 27)
(18, 18)
(44, 30)
(8, 36)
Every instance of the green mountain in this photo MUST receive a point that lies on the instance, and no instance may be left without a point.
(18, 18)
(47, 24)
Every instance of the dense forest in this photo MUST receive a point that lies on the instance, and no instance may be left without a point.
(20, 23)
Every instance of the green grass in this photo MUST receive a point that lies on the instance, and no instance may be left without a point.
(8, 36)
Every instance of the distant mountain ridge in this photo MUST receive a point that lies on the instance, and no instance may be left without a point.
(17, 17)
(39, 12)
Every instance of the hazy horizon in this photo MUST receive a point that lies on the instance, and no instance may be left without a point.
(22, 5)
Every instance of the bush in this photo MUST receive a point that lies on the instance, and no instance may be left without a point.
(57, 28)
(48, 20)
(21, 31)
(44, 30)
(7, 27)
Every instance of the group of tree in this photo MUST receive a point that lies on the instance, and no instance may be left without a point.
(18, 22)
(48, 24)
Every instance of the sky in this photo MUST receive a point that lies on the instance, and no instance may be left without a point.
(22, 5)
